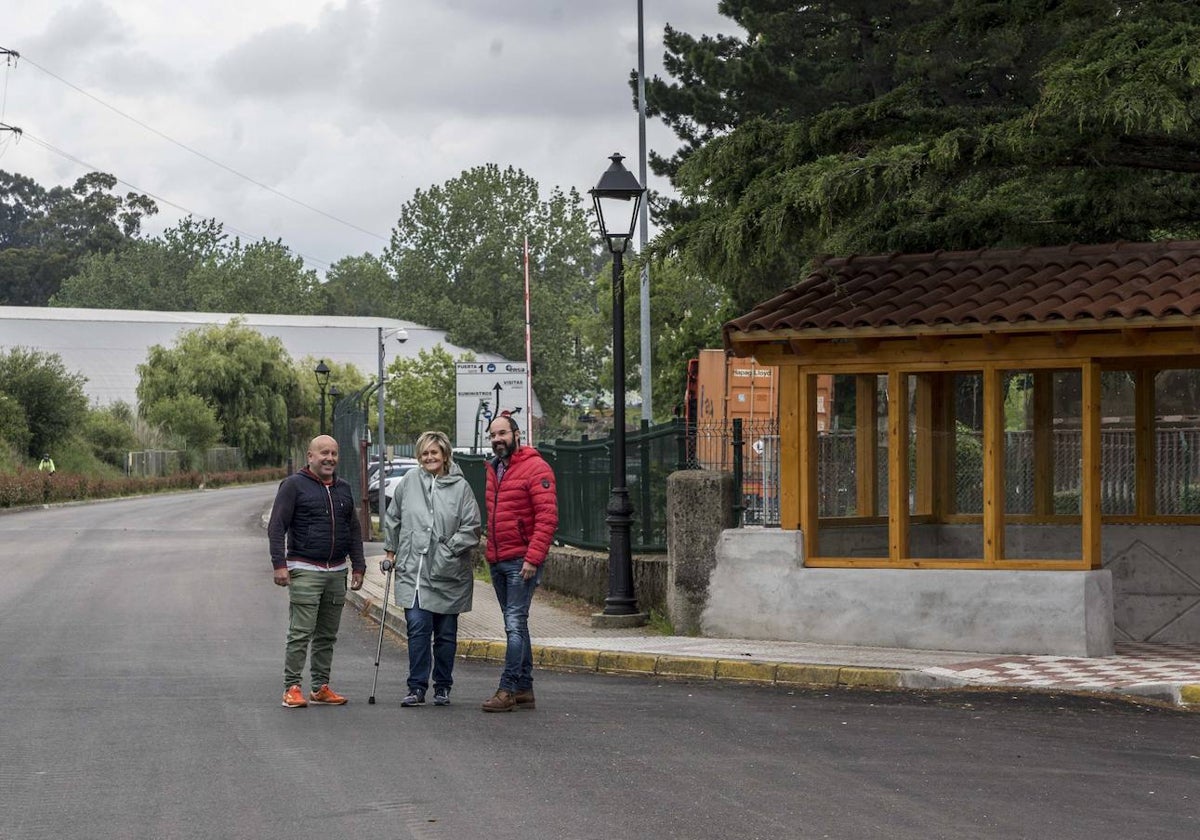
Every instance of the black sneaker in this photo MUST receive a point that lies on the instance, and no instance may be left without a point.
(415, 697)
(441, 697)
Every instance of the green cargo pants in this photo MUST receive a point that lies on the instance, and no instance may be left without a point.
(316, 600)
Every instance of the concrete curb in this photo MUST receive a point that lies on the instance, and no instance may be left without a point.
(755, 672)
(747, 672)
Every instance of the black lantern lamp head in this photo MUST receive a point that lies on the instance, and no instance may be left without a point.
(322, 373)
(617, 193)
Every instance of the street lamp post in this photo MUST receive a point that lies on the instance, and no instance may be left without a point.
(335, 394)
(322, 373)
(401, 335)
(618, 193)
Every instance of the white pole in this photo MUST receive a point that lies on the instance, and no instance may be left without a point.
(382, 462)
(647, 389)
(528, 357)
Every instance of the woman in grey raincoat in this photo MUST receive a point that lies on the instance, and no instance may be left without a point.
(429, 529)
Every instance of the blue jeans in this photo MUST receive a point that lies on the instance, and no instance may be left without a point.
(440, 628)
(515, 595)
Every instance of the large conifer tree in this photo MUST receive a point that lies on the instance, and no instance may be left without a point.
(856, 126)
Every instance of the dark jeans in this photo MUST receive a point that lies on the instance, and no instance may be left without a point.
(440, 628)
(515, 595)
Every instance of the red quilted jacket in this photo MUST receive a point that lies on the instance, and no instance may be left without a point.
(522, 508)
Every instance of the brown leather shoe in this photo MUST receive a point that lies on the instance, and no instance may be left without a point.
(501, 701)
(525, 699)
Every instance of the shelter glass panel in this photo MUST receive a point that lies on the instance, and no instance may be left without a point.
(1043, 464)
(1118, 442)
(852, 469)
(1017, 392)
(932, 455)
(1177, 442)
(966, 429)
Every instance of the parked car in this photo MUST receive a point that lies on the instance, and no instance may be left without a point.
(373, 467)
(393, 472)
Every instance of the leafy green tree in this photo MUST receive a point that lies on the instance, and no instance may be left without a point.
(158, 273)
(263, 276)
(457, 255)
(109, 432)
(246, 378)
(857, 126)
(14, 428)
(343, 376)
(359, 286)
(45, 234)
(189, 420)
(420, 395)
(50, 396)
(195, 267)
(688, 310)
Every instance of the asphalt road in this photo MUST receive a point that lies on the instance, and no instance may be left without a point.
(142, 644)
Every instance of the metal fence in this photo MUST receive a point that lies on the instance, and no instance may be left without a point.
(161, 462)
(583, 470)
(1177, 469)
(1177, 472)
(750, 451)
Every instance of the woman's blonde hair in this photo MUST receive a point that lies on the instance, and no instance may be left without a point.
(442, 442)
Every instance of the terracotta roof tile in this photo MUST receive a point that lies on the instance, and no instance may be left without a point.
(989, 288)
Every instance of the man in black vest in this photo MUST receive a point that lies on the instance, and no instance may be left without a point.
(313, 530)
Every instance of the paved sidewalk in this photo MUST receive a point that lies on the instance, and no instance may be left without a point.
(563, 637)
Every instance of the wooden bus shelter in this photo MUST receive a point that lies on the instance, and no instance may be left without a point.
(994, 410)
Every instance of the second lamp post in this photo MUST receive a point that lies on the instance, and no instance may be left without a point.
(617, 197)
(322, 373)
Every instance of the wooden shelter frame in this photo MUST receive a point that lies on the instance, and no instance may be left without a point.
(1142, 347)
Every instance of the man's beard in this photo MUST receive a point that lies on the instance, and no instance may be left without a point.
(502, 449)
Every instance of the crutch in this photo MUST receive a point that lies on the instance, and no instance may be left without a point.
(387, 567)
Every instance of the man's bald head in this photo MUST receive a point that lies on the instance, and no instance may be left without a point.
(323, 456)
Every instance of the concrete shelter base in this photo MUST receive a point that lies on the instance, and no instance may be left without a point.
(760, 588)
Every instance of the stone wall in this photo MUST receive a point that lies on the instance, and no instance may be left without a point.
(584, 574)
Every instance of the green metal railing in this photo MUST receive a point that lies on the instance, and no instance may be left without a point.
(583, 471)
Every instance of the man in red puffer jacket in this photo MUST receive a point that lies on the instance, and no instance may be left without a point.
(522, 516)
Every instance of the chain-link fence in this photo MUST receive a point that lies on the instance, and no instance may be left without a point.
(750, 450)
(1177, 472)
(163, 462)
(583, 472)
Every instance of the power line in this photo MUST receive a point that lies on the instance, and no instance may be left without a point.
(244, 234)
(205, 157)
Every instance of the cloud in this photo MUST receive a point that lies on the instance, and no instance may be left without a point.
(348, 106)
(295, 59)
(79, 30)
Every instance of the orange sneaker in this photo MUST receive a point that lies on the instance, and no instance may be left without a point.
(326, 696)
(293, 698)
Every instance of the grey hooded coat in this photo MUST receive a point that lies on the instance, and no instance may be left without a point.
(432, 523)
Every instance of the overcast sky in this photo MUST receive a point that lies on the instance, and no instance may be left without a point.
(347, 106)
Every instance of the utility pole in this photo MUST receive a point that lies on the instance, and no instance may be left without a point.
(644, 298)
(10, 58)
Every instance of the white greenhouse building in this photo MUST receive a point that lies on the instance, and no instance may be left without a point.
(107, 345)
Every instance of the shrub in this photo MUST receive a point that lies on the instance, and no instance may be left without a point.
(30, 487)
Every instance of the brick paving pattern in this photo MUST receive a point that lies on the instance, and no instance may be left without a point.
(1135, 664)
